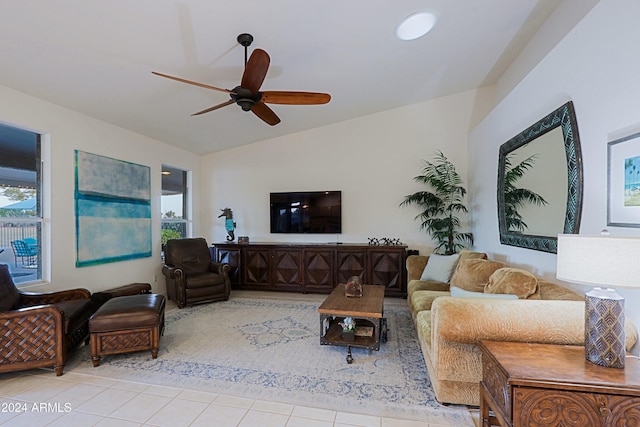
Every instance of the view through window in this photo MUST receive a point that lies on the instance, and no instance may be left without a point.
(20, 208)
(173, 204)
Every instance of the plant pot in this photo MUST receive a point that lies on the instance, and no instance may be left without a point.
(349, 336)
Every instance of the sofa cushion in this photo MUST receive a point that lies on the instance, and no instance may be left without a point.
(423, 325)
(439, 268)
(415, 266)
(473, 274)
(467, 254)
(461, 293)
(425, 285)
(75, 313)
(509, 280)
(422, 300)
(204, 280)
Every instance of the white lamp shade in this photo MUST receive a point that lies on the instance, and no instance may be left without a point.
(609, 261)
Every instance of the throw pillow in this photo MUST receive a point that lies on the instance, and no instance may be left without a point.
(515, 281)
(473, 274)
(461, 293)
(439, 267)
(467, 254)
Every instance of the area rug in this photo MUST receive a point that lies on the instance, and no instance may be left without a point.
(270, 350)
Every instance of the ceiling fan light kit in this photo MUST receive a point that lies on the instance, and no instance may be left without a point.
(248, 96)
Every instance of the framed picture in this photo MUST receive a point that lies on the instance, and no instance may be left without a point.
(113, 210)
(623, 208)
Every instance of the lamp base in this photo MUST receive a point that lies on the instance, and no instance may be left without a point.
(604, 342)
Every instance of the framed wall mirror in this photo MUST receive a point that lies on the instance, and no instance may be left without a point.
(540, 182)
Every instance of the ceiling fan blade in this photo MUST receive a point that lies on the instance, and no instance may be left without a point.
(256, 70)
(295, 98)
(215, 107)
(192, 83)
(265, 113)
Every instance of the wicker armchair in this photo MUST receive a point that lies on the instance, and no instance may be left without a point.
(192, 277)
(40, 329)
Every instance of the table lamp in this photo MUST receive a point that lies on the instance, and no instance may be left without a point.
(605, 262)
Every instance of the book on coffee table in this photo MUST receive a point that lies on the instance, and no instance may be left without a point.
(364, 331)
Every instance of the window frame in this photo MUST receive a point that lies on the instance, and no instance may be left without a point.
(38, 219)
(184, 190)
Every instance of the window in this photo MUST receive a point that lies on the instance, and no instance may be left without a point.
(173, 204)
(20, 207)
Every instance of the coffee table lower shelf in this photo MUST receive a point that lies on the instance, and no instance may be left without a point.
(331, 333)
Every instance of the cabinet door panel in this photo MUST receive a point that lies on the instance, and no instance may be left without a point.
(387, 269)
(287, 267)
(625, 410)
(318, 269)
(257, 267)
(544, 407)
(231, 257)
(352, 263)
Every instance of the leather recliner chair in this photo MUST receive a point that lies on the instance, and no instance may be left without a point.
(192, 277)
(40, 329)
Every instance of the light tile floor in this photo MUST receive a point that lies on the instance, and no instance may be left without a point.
(39, 398)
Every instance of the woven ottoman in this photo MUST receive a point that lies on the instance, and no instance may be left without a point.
(125, 324)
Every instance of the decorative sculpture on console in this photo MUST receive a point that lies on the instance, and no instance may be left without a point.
(229, 224)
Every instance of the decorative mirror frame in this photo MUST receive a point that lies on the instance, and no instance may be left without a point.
(564, 117)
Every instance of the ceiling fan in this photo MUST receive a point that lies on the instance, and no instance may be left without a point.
(248, 95)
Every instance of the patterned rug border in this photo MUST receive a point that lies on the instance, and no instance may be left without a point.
(296, 388)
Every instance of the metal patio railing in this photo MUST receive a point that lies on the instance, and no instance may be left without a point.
(16, 231)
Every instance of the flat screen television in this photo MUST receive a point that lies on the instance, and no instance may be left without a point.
(318, 212)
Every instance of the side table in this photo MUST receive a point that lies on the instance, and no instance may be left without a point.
(554, 385)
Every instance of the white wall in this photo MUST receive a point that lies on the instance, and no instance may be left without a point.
(372, 160)
(67, 131)
(595, 66)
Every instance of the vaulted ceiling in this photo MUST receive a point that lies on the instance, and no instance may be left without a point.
(96, 57)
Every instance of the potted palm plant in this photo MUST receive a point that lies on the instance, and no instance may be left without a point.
(441, 206)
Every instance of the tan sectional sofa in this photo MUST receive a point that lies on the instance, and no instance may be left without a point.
(449, 327)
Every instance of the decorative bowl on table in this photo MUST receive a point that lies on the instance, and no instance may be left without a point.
(353, 288)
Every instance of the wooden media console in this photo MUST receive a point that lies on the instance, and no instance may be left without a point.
(313, 267)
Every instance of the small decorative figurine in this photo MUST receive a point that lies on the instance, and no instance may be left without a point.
(229, 224)
(353, 288)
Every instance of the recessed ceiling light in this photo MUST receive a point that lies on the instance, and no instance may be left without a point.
(415, 26)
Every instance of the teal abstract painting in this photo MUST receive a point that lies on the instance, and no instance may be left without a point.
(113, 210)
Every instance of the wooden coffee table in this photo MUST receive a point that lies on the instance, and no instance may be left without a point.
(367, 311)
